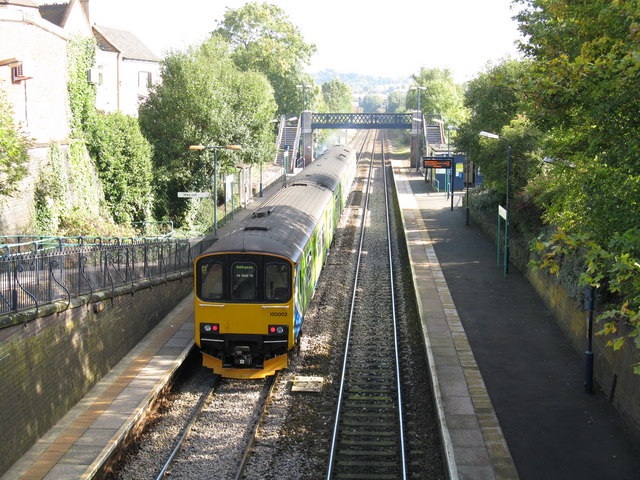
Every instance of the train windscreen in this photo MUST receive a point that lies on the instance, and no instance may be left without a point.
(243, 278)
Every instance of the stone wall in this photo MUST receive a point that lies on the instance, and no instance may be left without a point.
(48, 363)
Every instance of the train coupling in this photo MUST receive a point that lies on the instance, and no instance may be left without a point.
(242, 356)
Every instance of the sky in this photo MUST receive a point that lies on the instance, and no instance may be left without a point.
(394, 38)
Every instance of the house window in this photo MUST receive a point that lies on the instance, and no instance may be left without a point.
(144, 79)
(16, 73)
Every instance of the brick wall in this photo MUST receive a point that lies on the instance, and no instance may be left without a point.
(49, 363)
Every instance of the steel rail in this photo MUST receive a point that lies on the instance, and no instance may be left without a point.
(270, 385)
(345, 403)
(395, 323)
(185, 434)
(334, 438)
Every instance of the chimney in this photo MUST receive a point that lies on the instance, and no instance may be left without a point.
(85, 9)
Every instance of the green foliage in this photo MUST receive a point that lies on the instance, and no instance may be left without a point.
(337, 97)
(584, 86)
(82, 95)
(372, 103)
(263, 40)
(584, 91)
(441, 96)
(614, 270)
(495, 99)
(204, 99)
(123, 159)
(396, 102)
(13, 150)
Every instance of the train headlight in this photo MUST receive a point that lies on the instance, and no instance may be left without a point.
(210, 327)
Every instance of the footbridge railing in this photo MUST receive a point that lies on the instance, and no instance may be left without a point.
(361, 120)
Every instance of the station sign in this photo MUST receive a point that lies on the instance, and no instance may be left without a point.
(194, 194)
(436, 162)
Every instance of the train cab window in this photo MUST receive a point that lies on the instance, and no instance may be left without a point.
(210, 281)
(277, 282)
(244, 281)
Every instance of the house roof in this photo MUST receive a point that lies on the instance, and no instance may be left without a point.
(22, 3)
(124, 42)
(54, 13)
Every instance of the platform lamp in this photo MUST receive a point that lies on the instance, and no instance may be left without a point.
(215, 149)
(419, 91)
(506, 224)
(304, 94)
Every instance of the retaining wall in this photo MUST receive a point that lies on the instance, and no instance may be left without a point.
(48, 363)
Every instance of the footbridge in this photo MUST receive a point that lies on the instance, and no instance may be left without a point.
(361, 120)
(295, 138)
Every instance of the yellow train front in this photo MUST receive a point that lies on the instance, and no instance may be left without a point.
(253, 286)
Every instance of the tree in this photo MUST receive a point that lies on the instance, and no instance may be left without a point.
(498, 104)
(396, 102)
(584, 86)
(203, 99)
(441, 96)
(263, 40)
(337, 96)
(13, 150)
(123, 160)
(372, 103)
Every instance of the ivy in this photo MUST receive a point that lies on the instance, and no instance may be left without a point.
(81, 53)
(614, 270)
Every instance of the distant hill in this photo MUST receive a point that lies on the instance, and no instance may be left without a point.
(364, 84)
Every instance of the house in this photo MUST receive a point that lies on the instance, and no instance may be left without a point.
(33, 70)
(125, 68)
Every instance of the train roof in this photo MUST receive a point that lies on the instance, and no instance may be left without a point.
(283, 224)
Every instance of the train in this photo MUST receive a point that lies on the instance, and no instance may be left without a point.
(253, 286)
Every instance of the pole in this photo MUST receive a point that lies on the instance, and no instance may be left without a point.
(215, 192)
(453, 165)
(260, 178)
(466, 201)
(588, 355)
(506, 226)
(285, 159)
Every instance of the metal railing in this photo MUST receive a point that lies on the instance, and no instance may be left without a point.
(42, 271)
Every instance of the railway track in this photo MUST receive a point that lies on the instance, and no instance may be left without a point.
(368, 434)
(229, 458)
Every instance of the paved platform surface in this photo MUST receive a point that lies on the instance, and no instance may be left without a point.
(533, 376)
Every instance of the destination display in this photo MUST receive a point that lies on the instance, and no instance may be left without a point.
(436, 162)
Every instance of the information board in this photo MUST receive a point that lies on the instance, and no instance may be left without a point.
(436, 162)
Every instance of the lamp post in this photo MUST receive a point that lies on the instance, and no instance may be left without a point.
(419, 90)
(215, 149)
(304, 94)
(506, 207)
